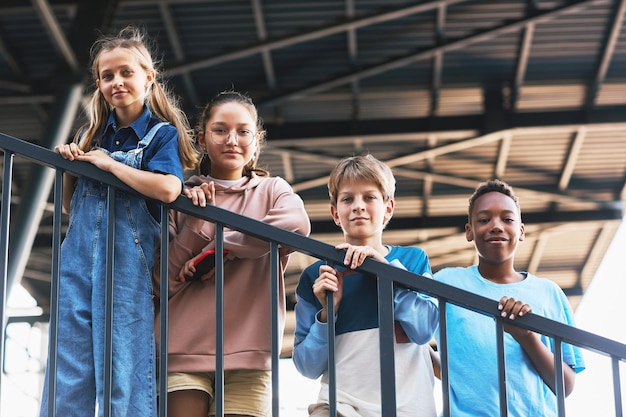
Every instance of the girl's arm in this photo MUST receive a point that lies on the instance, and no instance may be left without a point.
(287, 212)
(185, 243)
(162, 187)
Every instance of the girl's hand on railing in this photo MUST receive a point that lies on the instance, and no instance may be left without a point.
(99, 159)
(200, 195)
(68, 151)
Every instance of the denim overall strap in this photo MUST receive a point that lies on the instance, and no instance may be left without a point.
(80, 356)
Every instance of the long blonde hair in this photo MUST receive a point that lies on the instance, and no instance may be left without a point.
(159, 100)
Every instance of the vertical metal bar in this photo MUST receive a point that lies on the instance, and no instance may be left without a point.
(108, 302)
(5, 215)
(164, 311)
(275, 327)
(443, 356)
(54, 292)
(386, 341)
(219, 323)
(332, 369)
(501, 367)
(559, 384)
(25, 225)
(617, 388)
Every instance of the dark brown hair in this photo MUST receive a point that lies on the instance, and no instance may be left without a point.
(231, 96)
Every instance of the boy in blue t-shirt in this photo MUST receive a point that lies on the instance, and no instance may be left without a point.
(361, 190)
(495, 226)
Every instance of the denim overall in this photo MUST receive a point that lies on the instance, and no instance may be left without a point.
(81, 335)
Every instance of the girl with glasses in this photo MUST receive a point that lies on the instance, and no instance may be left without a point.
(231, 134)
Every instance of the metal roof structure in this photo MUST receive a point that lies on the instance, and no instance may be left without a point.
(448, 93)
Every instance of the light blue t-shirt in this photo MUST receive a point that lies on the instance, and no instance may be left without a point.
(472, 354)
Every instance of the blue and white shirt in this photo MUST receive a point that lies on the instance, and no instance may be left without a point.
(357, 340)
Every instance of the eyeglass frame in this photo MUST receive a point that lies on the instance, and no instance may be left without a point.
(237, 136)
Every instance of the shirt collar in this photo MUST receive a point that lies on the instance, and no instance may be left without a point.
(139, 126)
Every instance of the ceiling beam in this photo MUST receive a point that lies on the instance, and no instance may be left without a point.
(440, 39)
(311, 35)
(261, 30)
(458, 221)
(57, 36)
(503, 155)
(572, 157)
(428, 53)
(291, 134)
(522, 64)
(352, 58)
(607, 54)
(179, 53)
(89, 22)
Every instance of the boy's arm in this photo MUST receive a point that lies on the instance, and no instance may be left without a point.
(540, 355)
(543, 360)
(417, 313)
(310, 351)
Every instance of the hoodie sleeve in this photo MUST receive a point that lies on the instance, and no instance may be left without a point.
(184, 244)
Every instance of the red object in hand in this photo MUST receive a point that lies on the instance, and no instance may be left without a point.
(204, 264)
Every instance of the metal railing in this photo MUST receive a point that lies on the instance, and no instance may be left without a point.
(277, 237)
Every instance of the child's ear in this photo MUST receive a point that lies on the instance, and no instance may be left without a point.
(335, 215)
(389, 209)
(522, 234)
(200, 139)
(469, 235)
(150, 76)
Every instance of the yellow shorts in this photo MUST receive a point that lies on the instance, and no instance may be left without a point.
(246, 392)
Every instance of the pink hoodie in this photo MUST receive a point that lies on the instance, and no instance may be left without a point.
(247, 340)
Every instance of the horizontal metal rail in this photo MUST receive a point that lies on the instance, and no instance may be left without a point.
(446, 294)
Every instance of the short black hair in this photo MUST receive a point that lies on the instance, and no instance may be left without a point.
(496, 185)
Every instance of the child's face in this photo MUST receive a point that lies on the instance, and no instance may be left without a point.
(122, 81)
(362, 211)
(229, 156)
(495, 227)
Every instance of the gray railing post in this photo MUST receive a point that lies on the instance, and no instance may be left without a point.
(501, 368)
(5, 215)
(443, 356)
(275, 326)
(163, 310)
(386, 342)
(332, 369)
(219, 322)
(108, 302)
(559, 384)
(617, 390)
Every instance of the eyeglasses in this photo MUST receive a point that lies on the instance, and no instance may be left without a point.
(221, 136)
